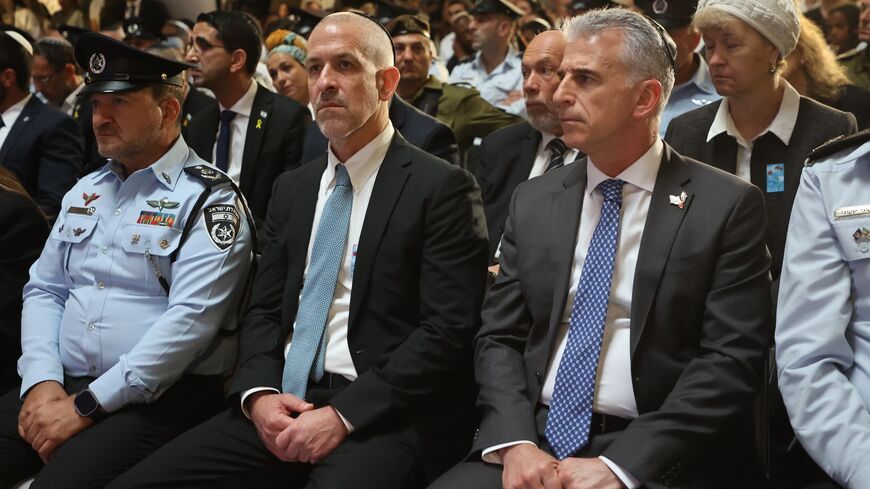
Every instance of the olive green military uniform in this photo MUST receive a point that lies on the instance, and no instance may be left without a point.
(858, 68)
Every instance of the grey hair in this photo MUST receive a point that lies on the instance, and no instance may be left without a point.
(375, 43)
(644, 52)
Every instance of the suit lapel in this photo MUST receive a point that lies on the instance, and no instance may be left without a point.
(567, 205)
(261, 111)
(27, 114)
(389, 183)
(662, 223)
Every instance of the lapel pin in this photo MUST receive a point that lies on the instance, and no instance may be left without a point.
(135, 239)
(862, 239)
(78, 231)
(259, 123)
(164, 243)
(679, 201)
(167, 178)
(264, 114)
(90, 198)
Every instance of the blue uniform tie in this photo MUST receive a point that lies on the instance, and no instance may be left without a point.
(570, 414)
(222, 153)
(308, 347)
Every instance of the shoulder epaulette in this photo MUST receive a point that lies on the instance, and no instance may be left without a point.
(837, 144)
(207, 175)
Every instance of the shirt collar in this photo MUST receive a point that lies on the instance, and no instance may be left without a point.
(244, 105)
(364, 162)
(166, 169)
(642, 173)
(15, 109)
(782, 125)
(70, 102)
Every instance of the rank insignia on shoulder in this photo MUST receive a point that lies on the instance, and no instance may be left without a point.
(222, 223)
(207, 174)
(836, 145)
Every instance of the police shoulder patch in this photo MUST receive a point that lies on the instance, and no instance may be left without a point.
(837, 144)
(222, 224)
(210, 176)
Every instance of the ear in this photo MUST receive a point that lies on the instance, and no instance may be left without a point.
(648, 95)
(386, 81)
(171, 109)
(240, 58)
(7, 78)
(69, 70)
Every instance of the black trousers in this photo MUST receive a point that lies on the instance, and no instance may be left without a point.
(95, 456)
(226, 452)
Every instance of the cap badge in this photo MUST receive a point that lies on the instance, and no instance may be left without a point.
(97, 63)
(660, 6)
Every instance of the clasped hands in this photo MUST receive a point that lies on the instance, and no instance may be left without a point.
(48, 418)
(528, 467)
(294, 430)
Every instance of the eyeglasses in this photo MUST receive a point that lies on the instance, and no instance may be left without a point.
(43, 79)
(201, 46)
(670, 46)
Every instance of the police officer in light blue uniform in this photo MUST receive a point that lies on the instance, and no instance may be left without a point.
(693, 86)
(496, 69)
(823, 316)
(126, 328)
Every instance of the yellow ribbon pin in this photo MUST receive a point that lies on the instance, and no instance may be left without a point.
(259, 123)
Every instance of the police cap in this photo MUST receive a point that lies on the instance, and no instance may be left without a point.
(408, 24)
(671, 14)
(496, 7)
(71, 33)
(138, 28)
(113, 66)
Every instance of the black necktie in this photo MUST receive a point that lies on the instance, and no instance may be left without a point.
(222, 152)
(557, 150)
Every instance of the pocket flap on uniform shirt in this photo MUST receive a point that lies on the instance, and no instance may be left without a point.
(75, 228)
(854, 237)
(157, 240)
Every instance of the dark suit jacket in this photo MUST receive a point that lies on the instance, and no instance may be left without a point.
(417, 127)
(507, 158)
(418, 285)
(700, 322)
(272, 148)
(23, 231)
(45, 151)
(83, 113)
(816, 124)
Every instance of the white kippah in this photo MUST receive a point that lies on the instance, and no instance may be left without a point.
(776, 20)
(21, 40)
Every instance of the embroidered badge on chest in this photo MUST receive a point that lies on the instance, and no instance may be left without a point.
(222, 223)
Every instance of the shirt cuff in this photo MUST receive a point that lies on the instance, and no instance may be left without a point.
(251, 391)
(344, 420)
(492, 456)
(627, 479)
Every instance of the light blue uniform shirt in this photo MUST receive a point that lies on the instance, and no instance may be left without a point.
(94, 307)
(823, 316)
(695, 93)
(506, 80)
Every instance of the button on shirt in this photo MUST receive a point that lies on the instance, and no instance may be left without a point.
(238, 131)
(782, 127)
(9, 117)
(94, 306)
(614, 392)
(363, 169)
(695, 93)
(506, 80)
(823, 316)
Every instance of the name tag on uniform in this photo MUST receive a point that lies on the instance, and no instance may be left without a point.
(852, 211)
(776, 178)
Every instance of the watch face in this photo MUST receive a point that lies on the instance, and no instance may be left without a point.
(86, 404)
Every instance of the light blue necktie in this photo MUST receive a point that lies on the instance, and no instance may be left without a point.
(308, 347)
(570, 414)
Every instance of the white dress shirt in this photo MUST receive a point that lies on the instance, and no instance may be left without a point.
(614, 394)
(69, 104)
(363, 169)
(9, 117)
(782, 126)
(238, 132)
(542, 158)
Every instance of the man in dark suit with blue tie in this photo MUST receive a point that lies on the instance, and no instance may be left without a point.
(249, 132)
(354, 365)
(622, 342)
(40, 145)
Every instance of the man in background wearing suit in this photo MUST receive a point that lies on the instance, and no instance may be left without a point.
(527, 149)
(373, 263)
(622, 342)
(40, 145)
(249, 132)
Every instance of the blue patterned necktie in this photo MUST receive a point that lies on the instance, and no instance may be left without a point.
(222, 153)
(570, 414)
(308, 348)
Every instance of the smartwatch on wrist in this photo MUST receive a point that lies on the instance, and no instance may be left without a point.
(86, 405)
